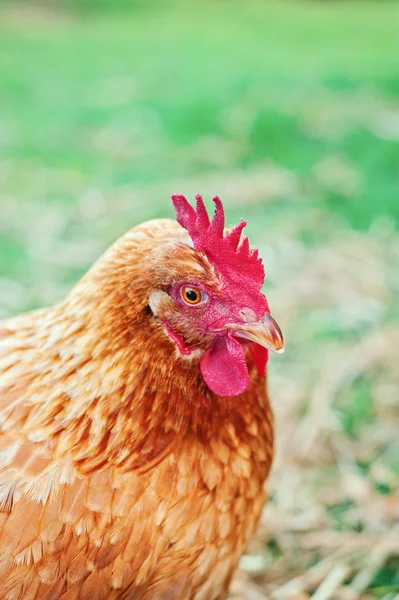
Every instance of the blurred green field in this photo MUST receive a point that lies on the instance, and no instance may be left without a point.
(290, 112)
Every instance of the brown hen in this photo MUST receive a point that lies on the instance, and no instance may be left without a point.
(135, 428)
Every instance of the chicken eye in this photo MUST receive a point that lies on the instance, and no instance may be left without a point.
(192, 295)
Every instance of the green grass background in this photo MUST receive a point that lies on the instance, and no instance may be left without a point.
(288, 110)
(170, 90)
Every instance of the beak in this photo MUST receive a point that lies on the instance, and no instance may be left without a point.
(266, 333)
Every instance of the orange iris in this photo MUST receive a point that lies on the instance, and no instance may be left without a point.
(191, 295)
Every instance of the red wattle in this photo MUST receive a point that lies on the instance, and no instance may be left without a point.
(260, 356)
(224, 368)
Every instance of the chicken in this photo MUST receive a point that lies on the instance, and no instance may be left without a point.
(135, 428)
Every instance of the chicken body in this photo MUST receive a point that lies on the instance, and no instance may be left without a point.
(122, 475)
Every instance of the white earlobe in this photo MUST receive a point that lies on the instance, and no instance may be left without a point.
(155, 300)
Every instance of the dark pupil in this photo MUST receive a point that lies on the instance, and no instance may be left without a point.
(191, 295)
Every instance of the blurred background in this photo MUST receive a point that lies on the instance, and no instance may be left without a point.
(290, 112)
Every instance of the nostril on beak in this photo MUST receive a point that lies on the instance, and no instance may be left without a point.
(248, 315)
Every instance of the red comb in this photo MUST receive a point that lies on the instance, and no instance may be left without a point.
(225, 251)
